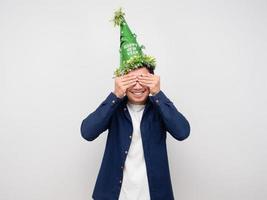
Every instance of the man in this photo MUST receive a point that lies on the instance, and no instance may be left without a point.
(138, 116)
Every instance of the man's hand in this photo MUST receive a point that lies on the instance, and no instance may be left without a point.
(122, 83)
(151, 81)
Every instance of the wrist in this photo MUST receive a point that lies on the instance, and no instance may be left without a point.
(117, 94)
(156, 92)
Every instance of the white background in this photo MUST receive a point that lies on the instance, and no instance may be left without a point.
(56, 63)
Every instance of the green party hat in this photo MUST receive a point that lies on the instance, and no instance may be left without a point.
(131, 54)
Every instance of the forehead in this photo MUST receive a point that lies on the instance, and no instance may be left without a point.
(139, 71)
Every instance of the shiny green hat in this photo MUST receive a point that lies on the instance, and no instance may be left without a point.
(131, 54)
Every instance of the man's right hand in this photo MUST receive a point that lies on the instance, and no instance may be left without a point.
(122, 83)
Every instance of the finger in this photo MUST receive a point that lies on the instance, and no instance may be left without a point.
(129, 78)
(129, 85)
(129, 82)
(144, 84)
(145, 78)
(146, 75)
(145, 81)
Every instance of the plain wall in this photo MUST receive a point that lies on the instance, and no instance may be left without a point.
(56, 64)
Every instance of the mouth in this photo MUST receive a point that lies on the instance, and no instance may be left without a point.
(138, 93)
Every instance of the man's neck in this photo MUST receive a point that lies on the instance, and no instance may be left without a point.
(136, 103)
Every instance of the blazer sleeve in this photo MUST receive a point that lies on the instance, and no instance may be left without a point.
(98, 121)
(175, 123)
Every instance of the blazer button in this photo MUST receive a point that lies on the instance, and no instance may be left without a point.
(113, 101)
(120, 181)
(157, 100)
(121, 167)
(125, 109)
(130, 136)
(126, 152)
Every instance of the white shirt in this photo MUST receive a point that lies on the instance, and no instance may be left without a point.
(134, 183)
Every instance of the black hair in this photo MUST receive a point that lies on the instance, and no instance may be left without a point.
(151, 71)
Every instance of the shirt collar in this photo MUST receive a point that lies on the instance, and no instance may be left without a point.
(148, 101)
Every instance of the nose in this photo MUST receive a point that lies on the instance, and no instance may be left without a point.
(137, 85)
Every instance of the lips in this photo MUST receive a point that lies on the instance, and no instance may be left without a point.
(139, 93)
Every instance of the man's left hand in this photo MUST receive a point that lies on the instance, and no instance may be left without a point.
(152, 81)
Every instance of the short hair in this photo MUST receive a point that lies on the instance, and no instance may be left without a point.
(151, 71)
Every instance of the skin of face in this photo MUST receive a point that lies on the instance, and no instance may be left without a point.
(138, 94)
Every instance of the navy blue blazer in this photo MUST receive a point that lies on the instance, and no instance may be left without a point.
(160, 115)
